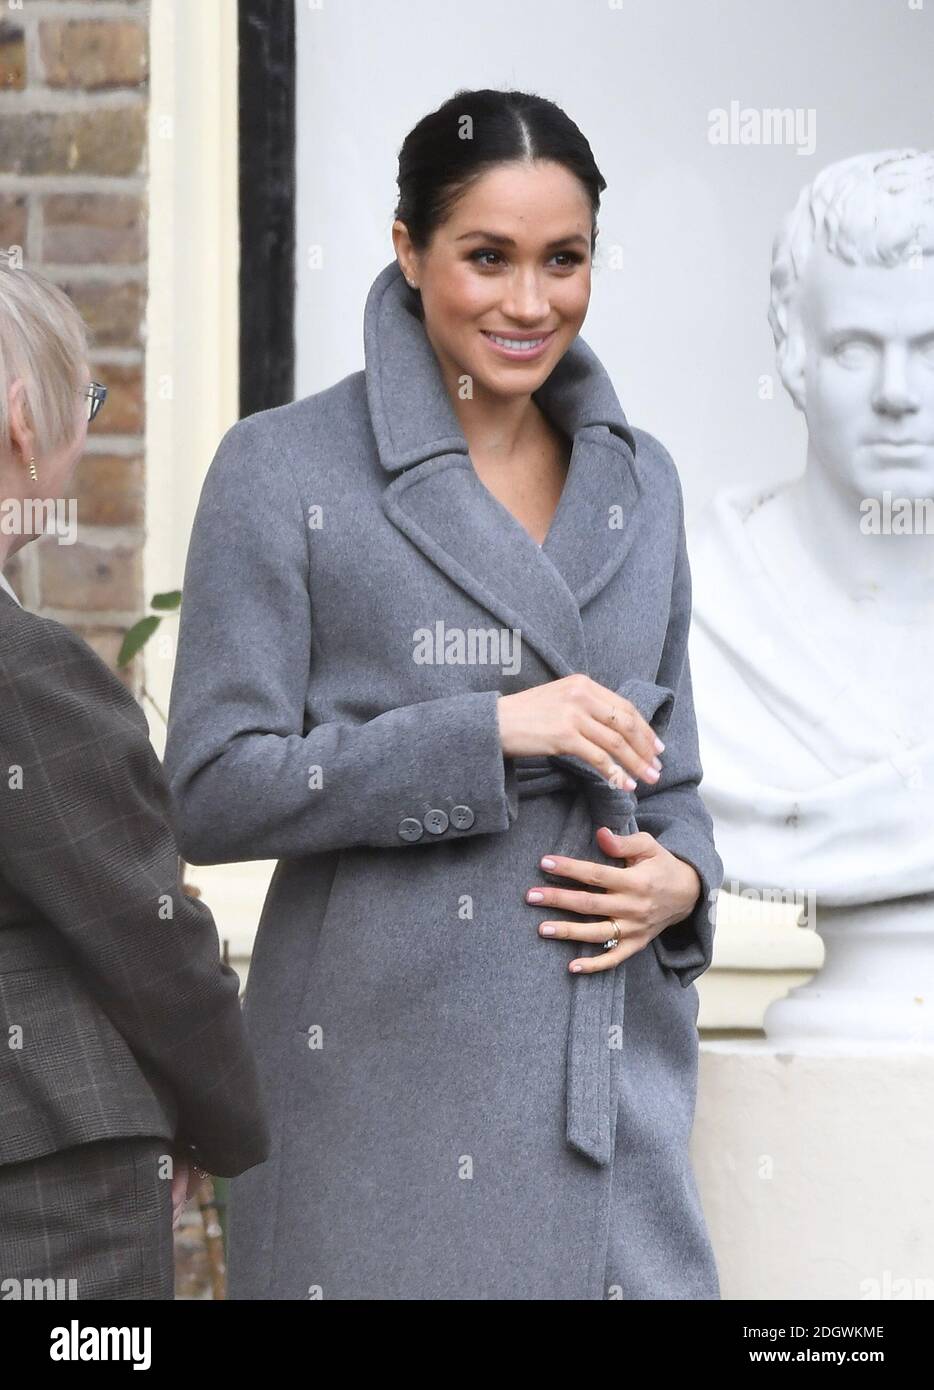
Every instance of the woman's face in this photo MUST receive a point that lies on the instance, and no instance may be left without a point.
(512, 261)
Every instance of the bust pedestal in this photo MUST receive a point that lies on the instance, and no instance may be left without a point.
(814, 1161)
(814, 1147)
(876, 982)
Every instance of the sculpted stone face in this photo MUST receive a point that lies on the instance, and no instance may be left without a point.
(866, 380)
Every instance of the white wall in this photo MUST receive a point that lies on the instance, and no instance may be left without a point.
(192, 312)
(192, 346)
(682, 326)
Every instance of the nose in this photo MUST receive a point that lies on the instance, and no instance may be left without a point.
(525, 300)
(895, 392)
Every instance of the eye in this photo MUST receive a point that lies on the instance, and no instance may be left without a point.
(476, 256)
(571, 258)
(853, 352)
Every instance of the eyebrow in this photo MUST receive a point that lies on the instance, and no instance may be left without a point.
(508, 241)
(855, 331)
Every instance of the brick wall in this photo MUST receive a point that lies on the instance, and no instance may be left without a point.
(73, 134)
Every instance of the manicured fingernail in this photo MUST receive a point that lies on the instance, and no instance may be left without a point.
(659, 746)
(548, 863)
(534, 896)
(577, 969)
(650, 774)
(656, 763)
(547, 930)
(629, 784)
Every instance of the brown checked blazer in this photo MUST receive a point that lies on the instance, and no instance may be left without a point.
(117, 1016)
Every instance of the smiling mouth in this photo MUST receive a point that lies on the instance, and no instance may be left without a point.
(523, 344)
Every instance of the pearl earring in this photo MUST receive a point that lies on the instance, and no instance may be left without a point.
(32, 471)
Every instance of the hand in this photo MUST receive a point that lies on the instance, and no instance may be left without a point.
(186, 1180)
(577, 716)
(653, 892)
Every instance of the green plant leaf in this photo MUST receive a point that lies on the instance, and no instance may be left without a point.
(137, 637)
(167, 601)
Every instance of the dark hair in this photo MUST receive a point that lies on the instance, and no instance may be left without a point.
(438, 163)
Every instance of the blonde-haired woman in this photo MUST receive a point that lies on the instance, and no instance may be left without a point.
(123, 1062)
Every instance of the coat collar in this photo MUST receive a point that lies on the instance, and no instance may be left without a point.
(6, 588)
(437, 499)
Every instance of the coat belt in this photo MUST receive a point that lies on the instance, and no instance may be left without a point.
(591, 1105)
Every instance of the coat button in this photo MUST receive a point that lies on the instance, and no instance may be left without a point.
(436, 821)
(462, 817)
(410, 828)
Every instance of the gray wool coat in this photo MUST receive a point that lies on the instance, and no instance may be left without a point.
(454, 1114)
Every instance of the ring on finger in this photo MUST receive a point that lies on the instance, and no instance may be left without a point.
(614, 940)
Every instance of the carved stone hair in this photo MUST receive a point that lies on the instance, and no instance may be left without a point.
(871, 209)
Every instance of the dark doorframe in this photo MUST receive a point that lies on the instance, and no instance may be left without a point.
(266, 68)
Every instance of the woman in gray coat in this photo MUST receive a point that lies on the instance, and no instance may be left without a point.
(433, 642)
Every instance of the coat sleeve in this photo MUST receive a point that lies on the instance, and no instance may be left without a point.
(672, 810)
(85, 839)
(248, 779)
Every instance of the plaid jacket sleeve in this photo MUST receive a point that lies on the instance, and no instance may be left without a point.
(85, 838)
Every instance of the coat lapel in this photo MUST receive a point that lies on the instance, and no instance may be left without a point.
(436, 498)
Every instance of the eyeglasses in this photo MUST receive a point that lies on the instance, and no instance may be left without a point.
(97, 395)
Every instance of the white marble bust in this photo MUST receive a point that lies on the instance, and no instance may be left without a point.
(812, 645)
